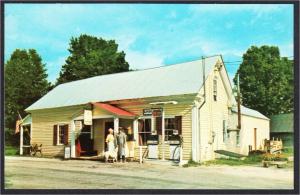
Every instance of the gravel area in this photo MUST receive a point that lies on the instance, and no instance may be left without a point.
(47, 173)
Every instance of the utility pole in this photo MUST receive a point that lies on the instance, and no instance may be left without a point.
(239, 102)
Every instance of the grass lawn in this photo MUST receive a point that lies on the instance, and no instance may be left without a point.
(286, 152)
(249, 160)
(11, 150)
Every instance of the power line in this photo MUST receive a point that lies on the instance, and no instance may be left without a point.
(239, 61)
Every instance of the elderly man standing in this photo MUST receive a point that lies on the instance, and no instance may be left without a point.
(121, 142)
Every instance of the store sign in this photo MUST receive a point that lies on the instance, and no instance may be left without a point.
(147, 112)
(87, 117)
(67, 154)
(156, 112)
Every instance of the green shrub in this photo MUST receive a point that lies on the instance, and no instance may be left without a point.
(11, 150)
(288, 151)
(11, 138)
(191, 163)
(274, 157)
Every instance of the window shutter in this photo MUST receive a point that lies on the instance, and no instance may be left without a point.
(178, 124)
(66, 134)
(140, 129)
(141, 125)
(55, 135)
(159, 125)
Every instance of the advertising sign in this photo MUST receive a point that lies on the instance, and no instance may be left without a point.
(87, 117)
(147, 112)
(156, 112)
(67, 152)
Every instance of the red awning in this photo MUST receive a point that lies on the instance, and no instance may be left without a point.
(114, 110)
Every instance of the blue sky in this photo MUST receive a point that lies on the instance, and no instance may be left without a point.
(150, 35)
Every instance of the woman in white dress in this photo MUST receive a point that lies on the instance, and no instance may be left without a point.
(110, 140)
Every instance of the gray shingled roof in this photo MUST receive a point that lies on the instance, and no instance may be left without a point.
(184, 78)
(250, 112)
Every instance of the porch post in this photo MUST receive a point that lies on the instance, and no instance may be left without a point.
(195, 135)
(21, 140)
(181, 156)
(136, 131)
(116, 124)
(163, 133)
(73, 151)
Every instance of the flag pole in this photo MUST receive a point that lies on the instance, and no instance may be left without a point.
(18, 125)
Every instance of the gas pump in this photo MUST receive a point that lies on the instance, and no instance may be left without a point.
(175, 142)
(152, 143)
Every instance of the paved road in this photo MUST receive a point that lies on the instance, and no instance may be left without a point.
(43, 173)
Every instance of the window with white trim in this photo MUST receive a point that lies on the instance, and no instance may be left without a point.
(144, 130)
(172, 125)
(60, 134)
(215, 89)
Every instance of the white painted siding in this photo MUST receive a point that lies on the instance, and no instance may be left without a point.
(212, 115)
(42, 127)
(247, 132)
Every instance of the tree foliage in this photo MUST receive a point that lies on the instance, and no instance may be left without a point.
(92, 56)
(266, 80)
(25, 82)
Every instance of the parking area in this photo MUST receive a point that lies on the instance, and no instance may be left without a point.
(47, 173)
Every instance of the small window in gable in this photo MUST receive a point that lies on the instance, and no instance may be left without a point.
(215, 89)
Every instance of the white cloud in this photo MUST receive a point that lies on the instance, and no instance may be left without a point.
(54, 68)
(125, 41)
(287, 50)
(11, 27)
(172, 36)
(229, 8)
(138, 60)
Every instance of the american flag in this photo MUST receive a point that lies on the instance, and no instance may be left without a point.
(18, 122)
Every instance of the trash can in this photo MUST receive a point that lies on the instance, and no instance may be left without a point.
(67, 154)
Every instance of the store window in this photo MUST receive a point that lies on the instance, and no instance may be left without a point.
(172, 126)
(144, 129)
(169, 128)
(60, 134)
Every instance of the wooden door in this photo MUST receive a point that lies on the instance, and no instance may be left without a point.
(255, 137)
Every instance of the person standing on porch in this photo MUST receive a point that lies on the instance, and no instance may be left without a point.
(121, 142)
(110, 140)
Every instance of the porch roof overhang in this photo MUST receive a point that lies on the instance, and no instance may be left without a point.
(114, 110)
(27, 120)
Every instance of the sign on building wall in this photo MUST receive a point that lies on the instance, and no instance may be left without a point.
(157, 112)
(147, 112)
(87, 117)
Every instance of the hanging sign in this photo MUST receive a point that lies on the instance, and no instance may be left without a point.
(156, 112)
(87, 117)
(147, 112)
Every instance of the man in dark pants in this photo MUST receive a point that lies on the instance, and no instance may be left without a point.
(121, 142)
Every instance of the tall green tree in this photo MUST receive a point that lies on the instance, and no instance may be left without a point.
(266, 80)
(92, 56)
(25, 82)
